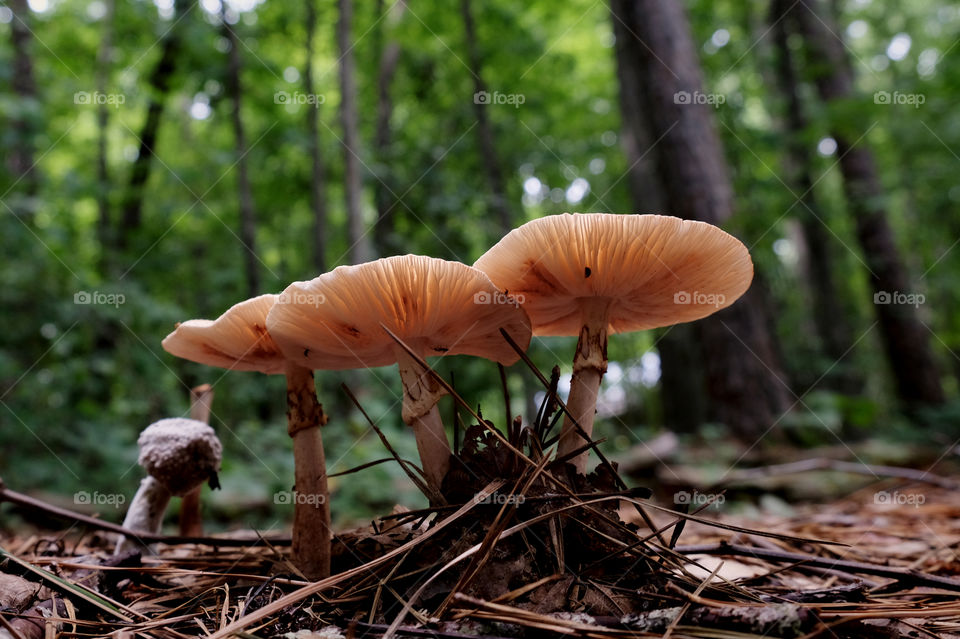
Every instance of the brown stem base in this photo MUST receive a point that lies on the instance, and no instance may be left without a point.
(589, 365)
(311, 497)
(421, 392)
(433, 446)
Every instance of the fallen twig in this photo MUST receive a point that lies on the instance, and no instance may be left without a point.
(907, 577)
(824, 463)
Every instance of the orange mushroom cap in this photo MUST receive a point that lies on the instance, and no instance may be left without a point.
(435, 306)
(237, 340)
(655, 270)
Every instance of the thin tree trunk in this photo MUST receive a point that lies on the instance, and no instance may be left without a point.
(904, 337)
(744, 378)
(485, 137)
(248, 222)
(683, 392)
(159, 84)
(360, 250)
(384, 228)
(830, 319)
(21, 158)
(318, 200)
(104, 54)
(682, 386)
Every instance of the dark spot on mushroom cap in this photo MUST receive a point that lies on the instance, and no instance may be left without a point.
(306, 352)
(440, 349)
(586, 271)
(352, 330)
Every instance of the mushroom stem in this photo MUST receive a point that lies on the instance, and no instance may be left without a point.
(311, 498)
(589, 365)
(146, 511)
(421, 392)
(191, 521)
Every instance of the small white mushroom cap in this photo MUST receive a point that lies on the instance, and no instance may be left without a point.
(180, 453)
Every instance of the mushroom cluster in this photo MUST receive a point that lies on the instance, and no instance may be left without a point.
(573, 274)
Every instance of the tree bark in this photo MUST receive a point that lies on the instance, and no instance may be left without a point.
(485, 137)
(833, 328)
(744, 379)
(159, 84)
(682, 386)
(683, 392)
(248, 222)
(360, 250)
(904, 336)
(21, 158)
(318, 201)
(384, 228)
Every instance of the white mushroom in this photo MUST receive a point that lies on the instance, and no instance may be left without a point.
(179, 455)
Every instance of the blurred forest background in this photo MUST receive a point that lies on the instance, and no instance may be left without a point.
(164, 159)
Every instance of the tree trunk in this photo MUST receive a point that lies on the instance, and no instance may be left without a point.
(904, 336)
(744, 380)
(384, 228)
(682, 387)
(21, 158)
(318, 201)
(485, 138)
(683, 392)
(159, 84)
(830, 318)
(248, 222)
(360, 250)
(104, 54)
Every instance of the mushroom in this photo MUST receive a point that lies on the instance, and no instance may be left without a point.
(238, 340)
(179, 455)
(595, 273)
(434, 306)
(191, 522)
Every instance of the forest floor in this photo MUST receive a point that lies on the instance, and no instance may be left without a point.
(545, 554)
